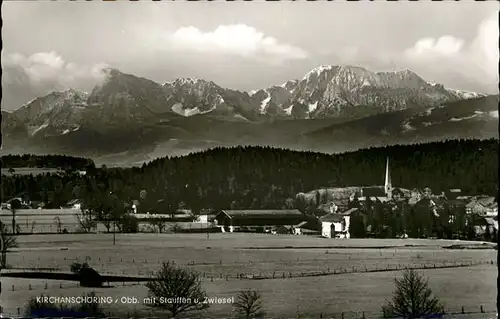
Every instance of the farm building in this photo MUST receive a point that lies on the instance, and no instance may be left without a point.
(336, 225)
(231, 219)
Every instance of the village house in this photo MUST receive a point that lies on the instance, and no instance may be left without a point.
(231, 220)
(335, 224)
(483, 206)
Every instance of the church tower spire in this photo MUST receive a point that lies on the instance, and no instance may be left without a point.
(388, 183)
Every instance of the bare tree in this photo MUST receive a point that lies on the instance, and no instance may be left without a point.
(159, 224)
(86, 220)
(58, 223)
(248, 304)
(412, 298)
(33, 225)
(9, 241)
(289, 203)
(15, 204)
(176, 290)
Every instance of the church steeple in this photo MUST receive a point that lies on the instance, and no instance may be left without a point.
(388, 183)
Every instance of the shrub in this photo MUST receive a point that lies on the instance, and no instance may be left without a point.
(76, 267)
(176, 290)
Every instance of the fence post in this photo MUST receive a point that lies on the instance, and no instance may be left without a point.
(363, 317)
(463, 310)
(342, 315)
(482, 309)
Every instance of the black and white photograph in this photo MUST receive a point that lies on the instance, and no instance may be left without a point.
(251, 159)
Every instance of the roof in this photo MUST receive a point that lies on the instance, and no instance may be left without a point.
(73, 202)
(337, 217)
(284, 227)
(270, 213)
(489, 201)
(333, 218)
(301, 224)
(308, 225)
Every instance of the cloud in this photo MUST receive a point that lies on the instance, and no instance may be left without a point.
(443, 46)
(43, 67)
(239, 39)
(476, 60)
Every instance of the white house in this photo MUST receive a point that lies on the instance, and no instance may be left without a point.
(336, 225)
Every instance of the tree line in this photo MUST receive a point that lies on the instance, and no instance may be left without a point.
(267, 178)
(46, 161)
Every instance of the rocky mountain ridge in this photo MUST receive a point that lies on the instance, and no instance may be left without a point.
(332, 108)
(324, 92)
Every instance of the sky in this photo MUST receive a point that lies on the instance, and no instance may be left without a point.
(244, 45)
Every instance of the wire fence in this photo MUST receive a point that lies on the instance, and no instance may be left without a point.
(327, 271)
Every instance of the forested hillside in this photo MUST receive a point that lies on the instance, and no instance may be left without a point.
(46, 161)
(260, 177)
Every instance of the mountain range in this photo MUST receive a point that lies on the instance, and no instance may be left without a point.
(128, 119)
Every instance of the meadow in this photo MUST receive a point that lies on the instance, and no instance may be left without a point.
(222, 258)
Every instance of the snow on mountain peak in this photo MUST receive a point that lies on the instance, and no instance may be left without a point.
(183, 81)
(265, 103)
(317, 71)
(466, 94)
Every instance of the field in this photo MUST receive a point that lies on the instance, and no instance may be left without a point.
(222, 258)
